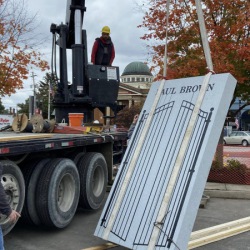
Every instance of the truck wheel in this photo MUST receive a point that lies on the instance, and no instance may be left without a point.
(57, 193)
(13, 183)
(93, 174)
(31, 175)
(78, 157)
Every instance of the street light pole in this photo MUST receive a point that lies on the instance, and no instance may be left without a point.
(240, 114)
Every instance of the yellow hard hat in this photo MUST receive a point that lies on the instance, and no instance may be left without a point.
(106, 29)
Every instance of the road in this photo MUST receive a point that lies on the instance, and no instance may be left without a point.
(79, 234)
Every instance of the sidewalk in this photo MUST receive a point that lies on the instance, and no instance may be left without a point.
(227, 191)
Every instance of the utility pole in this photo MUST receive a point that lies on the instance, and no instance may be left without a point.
(34, 92)
(50, 87)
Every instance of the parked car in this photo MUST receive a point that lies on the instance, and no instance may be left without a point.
(238, 137)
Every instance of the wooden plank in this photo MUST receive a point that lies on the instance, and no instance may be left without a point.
(204, 232)
(17, 137)
(102, 247)
(203, 236)
(219, 232)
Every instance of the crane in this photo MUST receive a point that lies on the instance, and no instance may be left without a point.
(93, 86)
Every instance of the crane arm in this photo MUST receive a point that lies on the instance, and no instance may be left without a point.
(74, 19)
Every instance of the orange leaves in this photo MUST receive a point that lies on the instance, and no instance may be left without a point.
(17, 52)
(228, 28)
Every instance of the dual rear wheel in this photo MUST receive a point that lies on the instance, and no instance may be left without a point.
(13, 183)
(54, 188)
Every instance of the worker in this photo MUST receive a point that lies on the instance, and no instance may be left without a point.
(103, 51)
(132, 126)
(5, 208)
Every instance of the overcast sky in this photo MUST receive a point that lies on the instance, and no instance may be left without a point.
(122, 17)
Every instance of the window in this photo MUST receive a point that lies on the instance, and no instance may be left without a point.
(233, 134)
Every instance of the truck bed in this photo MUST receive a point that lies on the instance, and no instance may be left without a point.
(12, 143)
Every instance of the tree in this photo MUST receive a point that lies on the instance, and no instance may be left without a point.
(46, 87)
(49, 82)
(126, 115)
(23, 108)
(2, 108)
(18, 49)
(228, 28)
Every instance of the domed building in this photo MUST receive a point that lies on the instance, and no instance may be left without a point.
(136, 81)
(138, 75)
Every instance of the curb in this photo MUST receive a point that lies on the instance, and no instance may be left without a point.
(227, 191)
(204, 201)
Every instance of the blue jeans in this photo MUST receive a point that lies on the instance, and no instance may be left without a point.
(1, 239)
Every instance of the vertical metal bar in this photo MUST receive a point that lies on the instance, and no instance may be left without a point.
(125, 161)
(191, 170)
(78, 27)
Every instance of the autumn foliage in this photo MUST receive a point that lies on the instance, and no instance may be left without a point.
(228, 28)
(125, 116)
(16, 51)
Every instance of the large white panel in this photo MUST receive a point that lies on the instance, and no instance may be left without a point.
(131, 214)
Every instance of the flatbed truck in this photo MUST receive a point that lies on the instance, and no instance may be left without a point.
(46, 176)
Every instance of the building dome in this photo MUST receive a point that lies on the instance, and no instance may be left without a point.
(137, 68)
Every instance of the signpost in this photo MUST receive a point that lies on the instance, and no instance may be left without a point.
(6, 120)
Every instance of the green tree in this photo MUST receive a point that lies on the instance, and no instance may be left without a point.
(41, 96)
(2, 108)
(23, 107)
(46, 86)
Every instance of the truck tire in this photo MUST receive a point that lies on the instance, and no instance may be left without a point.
(93, 174)
(13, 183)
(31, 176)
(78, 157)
(57, 193)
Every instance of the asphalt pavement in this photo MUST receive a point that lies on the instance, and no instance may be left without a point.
(79, 234)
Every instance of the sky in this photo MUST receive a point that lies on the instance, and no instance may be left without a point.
(122, 17)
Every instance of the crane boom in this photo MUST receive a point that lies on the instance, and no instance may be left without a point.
(92, 85)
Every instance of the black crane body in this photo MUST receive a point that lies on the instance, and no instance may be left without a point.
(93, 86)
